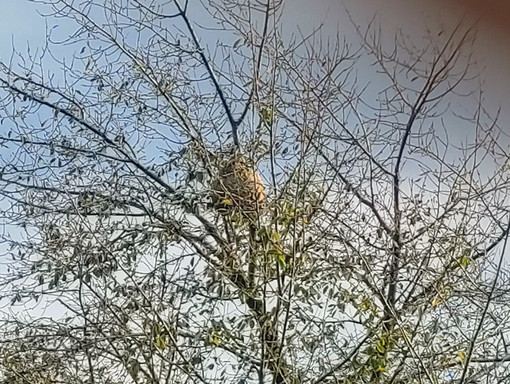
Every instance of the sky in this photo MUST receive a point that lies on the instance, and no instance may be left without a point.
(414, 17)
(22, 25)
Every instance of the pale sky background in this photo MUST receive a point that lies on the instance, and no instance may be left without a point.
(21, 26)
(414, 17)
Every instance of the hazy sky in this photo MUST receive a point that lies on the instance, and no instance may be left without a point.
(20, 21)
(21, 24)
(414, 17)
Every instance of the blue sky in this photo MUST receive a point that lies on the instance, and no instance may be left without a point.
(20, 23)
(21, 26)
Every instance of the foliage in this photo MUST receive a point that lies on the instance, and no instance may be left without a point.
(374, 255)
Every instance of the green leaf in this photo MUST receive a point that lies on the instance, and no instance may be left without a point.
(161, 342)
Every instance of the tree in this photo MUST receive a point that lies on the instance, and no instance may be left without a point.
(374, 255)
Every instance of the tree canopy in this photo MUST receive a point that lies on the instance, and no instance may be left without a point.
(192, 194)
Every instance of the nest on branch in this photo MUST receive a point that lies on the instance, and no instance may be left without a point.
(238, 186)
